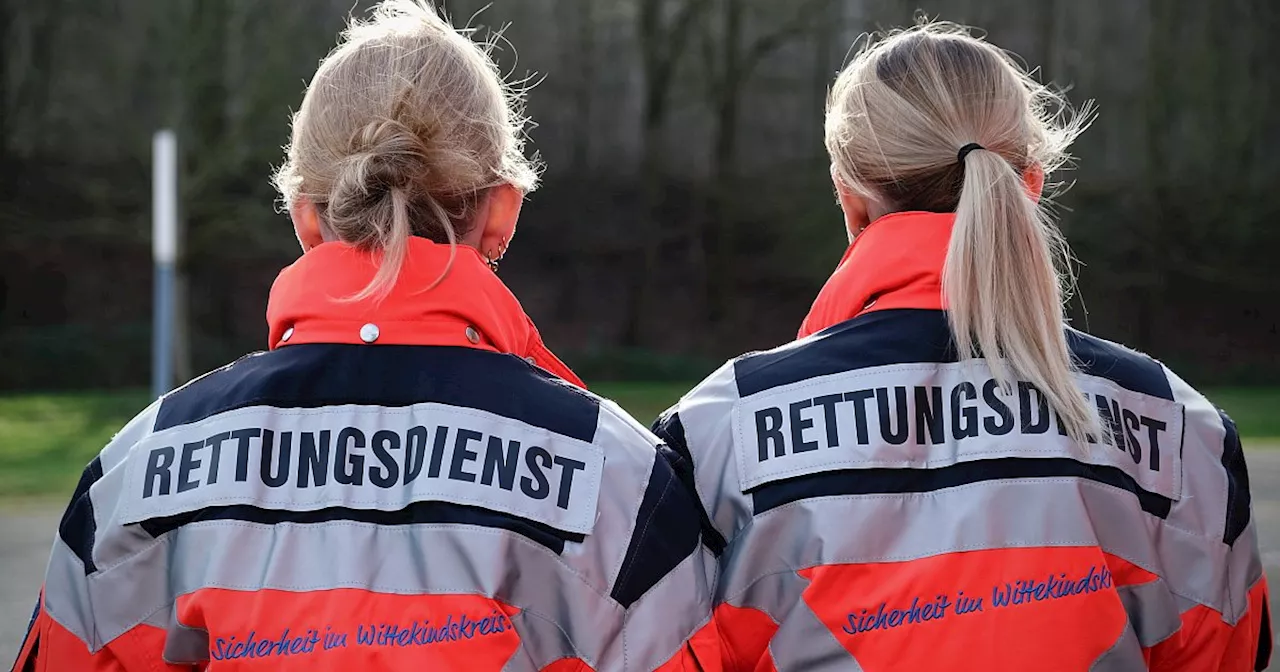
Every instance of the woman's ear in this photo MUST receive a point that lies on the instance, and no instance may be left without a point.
(1033, 177)
(854, 206)
(306, 223)
(497, 216)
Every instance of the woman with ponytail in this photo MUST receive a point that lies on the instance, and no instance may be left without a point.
(941, 473)
(408, 479)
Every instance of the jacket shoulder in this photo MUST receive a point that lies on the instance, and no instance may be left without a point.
(1130, 369)
(98, 492)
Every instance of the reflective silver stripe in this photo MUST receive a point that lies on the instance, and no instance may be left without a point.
(1153, 612)
(1204, 478)
(1244, 570)
(1205, 512)
(900, 527)
(541, 643)
(659, 623)
(106, 492)
(803, 643)
(66, 595)
(774, 593)
(1125, 656)
(246, 556)
(707, 416)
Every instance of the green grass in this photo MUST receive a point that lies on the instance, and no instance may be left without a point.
(1256, 411)
(644, 401)
(46, 439)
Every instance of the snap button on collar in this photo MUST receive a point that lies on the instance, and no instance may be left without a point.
(369, 333)
(473, 335)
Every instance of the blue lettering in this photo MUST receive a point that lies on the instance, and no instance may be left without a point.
(1000, 598)
(158, 464)
(859, 399)
(389, 473)
(415, 452)
(1022, 591)
(800, 423)
(348, 465)
(187, 464)
(536, 459)
(242, 437)
(281, 476)
(416, 633)
(567, 467)
(462, 454)
(769, 431)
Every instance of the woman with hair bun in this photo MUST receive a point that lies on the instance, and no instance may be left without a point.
(408, 479)
(940, 473)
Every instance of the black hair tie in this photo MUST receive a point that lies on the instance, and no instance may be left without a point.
(964, 151)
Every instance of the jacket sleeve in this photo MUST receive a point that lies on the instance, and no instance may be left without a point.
(1208, 640)
(731, 640)
(664, 581)
(64, 630)
(60, 635)
(698, 452)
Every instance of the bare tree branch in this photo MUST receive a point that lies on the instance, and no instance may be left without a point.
(800, 22)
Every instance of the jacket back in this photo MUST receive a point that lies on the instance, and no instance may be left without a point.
(878, 505)
(334, 506)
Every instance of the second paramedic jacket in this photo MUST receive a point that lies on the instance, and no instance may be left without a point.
(877, 505)
(396, 485)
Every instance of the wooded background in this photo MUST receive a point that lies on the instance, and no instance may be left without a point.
(686, 213)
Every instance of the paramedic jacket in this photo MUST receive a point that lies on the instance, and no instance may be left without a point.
(395, 485)
(871, 499)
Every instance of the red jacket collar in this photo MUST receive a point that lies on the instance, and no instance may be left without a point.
(896, 262)
(470, 307)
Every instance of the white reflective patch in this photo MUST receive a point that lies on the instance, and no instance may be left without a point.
(923, 416)
(365, 457)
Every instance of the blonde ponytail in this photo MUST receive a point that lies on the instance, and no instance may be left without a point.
(898, 117)
(1003, 290)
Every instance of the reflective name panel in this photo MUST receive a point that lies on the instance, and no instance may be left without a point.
(925, 416)
(364, 457)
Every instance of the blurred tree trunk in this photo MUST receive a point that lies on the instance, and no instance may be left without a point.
(732, 60)
(664, 31)
(28, 90)
(7, 9)
(830, 27)
(199, 106)
(579, 55)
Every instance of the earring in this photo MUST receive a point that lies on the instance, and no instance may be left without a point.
(502, 252)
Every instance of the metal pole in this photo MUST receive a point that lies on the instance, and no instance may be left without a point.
(165, 248)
